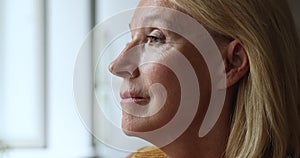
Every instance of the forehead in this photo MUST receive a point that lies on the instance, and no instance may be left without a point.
(153, 12)
(161, 3)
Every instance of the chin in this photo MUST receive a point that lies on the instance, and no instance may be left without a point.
(132, 124)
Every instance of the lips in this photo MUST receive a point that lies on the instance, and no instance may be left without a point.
(131, 97)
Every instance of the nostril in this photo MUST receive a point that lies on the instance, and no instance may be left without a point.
(135, 73)
(125, 65)
(124, 74)
(119, 70)
(124, 69)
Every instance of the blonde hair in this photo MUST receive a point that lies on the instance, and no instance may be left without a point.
(266, 119)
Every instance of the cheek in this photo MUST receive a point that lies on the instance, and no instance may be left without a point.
(201, 69)
(160, 74)
(156, 74)
(164, 76)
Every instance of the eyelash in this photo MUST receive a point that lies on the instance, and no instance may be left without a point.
(158, 38)
(154, 39)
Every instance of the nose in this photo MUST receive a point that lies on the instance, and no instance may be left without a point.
(126, 64)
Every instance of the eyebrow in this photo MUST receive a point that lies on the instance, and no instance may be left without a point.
(149, 21)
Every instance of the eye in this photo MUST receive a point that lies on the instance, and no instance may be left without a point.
(155, 37)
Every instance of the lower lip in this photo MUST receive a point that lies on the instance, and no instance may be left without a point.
(139, 101)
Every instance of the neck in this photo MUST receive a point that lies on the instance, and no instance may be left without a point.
(213, 145)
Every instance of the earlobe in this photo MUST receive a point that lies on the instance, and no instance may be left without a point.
(237, 62)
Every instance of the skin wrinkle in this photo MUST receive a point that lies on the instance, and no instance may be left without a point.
(190, 145)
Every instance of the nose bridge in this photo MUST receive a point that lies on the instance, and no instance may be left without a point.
(126, 64)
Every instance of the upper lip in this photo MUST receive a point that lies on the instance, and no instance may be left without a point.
(131, 94)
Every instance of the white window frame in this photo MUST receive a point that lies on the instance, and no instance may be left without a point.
(66, 24)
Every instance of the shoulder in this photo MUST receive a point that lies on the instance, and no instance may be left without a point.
(148, 152)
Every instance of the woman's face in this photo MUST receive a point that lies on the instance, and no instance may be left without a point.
(151, 91)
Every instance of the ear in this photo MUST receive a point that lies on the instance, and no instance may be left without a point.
(236, 62)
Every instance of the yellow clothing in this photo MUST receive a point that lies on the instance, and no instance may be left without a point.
(149, 152)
